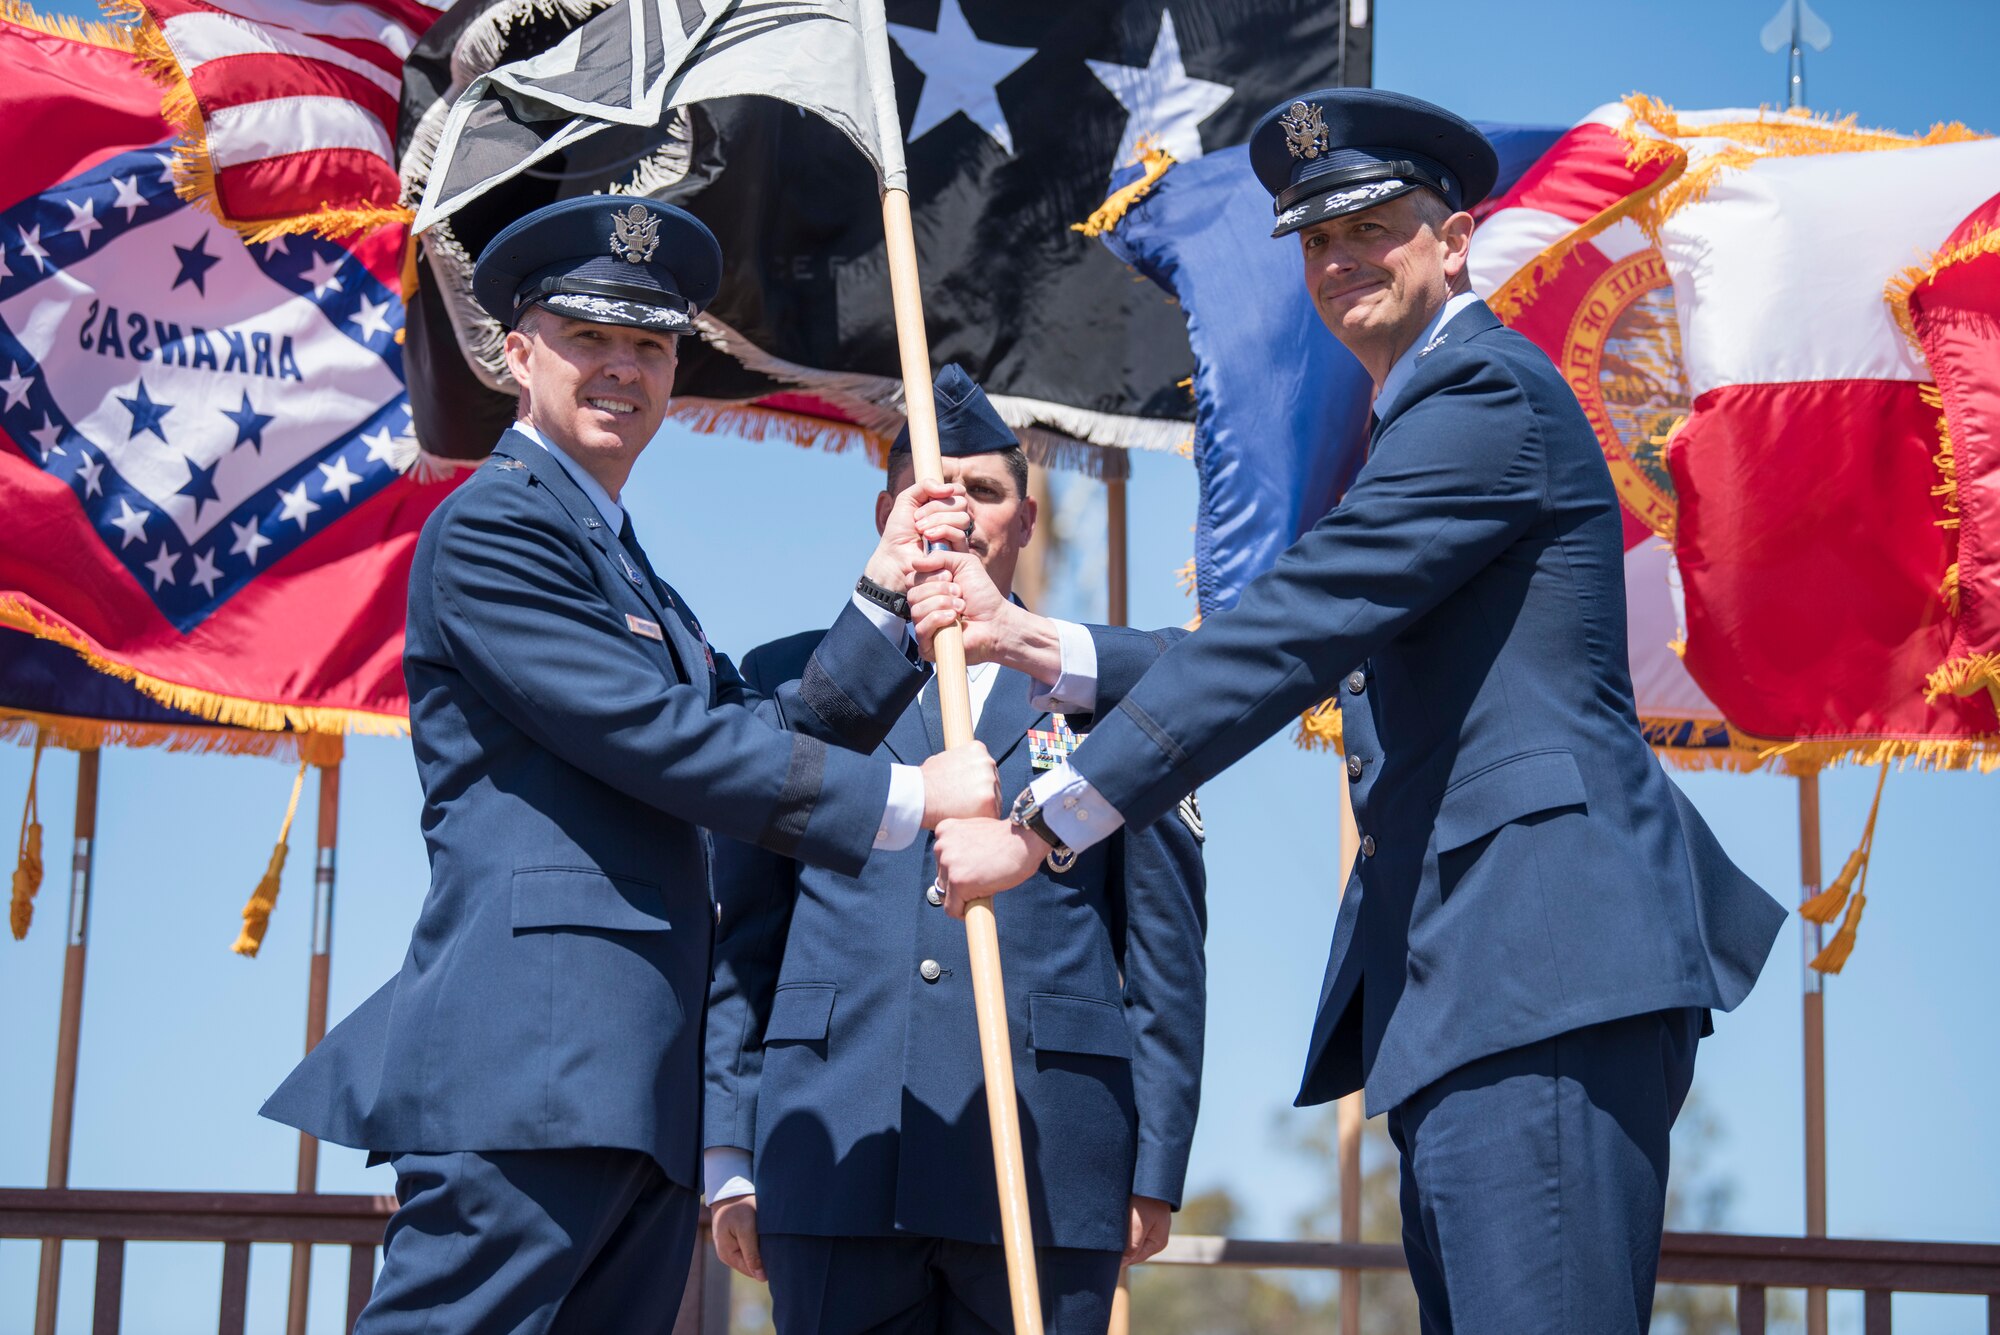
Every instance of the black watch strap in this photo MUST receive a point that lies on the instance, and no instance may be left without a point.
(1027, 813)
(888, 599)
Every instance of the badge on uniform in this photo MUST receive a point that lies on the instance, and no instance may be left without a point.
(1049, 747)
(631, 571)
(640, 626)
(1189, 811)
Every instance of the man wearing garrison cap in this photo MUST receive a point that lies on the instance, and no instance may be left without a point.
(1539, 924)
(534, 1070)
(848, 1151)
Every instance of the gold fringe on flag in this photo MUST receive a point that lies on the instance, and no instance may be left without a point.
(109, 36)
(1112, 211)
(1948, 590)
(1983, 241)
(235, 711)
(1515, 295)
(257, 913)
(1771, 135)
(1966, 675)
(194, 168)
(28, 865)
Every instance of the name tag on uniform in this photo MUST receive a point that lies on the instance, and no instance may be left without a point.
(1049, 747)
(641, 626)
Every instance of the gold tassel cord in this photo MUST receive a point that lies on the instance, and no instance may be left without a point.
(1113, 210)
(257, 913)
(1826, 905)
(28, 866)
(1834, 957)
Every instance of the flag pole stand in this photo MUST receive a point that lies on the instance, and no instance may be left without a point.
(62, 1116)
(1814, 1006)
(326, 753)
(989, 995)
(1348, 1110)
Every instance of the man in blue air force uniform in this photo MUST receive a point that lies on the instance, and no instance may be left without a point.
(1539, 922)
(842, 1044)
(534, 1071)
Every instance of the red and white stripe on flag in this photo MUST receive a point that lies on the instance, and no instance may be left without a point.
(1814, 533)
(286, 108)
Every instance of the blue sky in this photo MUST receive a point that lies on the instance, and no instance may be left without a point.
(182, 1040)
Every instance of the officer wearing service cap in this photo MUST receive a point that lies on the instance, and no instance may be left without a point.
(845, 1111)
(1539, 924)
(534, 1070)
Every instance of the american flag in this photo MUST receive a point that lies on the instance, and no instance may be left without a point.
(286, 108)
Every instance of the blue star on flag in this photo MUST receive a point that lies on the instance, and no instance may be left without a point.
(200, 485)
(250, 424)
(147, 414)
(195, 264)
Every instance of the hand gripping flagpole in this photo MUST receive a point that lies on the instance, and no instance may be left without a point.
(989, 995)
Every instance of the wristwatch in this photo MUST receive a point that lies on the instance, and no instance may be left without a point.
(1027, 813)
(888, 599)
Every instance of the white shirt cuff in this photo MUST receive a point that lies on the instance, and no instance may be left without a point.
(1077, 814)
(725, 1172)
(903, 817)
(1075, 691)
(891, 625)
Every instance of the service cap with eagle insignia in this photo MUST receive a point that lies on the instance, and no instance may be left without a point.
(1340, 150)
(609, 259)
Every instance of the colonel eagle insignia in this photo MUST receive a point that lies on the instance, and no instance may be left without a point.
(1305, 130)
(635, 234)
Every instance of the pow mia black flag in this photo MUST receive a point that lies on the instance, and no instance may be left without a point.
(1015, 116)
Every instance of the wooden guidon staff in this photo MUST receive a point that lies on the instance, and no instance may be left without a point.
(989, 996)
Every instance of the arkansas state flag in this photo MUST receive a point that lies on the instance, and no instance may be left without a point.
(1816, 483)
(201, 443)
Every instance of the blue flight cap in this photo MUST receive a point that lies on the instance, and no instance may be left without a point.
(609, 259)
(967, 423)
(1341, 150)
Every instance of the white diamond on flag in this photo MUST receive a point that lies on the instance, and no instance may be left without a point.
(164, 369)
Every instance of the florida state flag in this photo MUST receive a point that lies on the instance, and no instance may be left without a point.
(201, 442)
(1730, 322)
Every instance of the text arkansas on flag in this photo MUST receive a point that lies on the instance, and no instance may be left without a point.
(204, 440)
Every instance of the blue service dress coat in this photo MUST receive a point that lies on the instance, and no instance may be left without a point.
(856, 1079)
(1526, 868)
(575, 734)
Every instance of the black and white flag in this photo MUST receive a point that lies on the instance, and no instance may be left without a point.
(1014, 117)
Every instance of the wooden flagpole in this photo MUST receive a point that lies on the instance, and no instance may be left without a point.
(325, 752)
(62, 1117)
(1814, 1008)
(1116, 613)
(1348, 1110)
(989, 995)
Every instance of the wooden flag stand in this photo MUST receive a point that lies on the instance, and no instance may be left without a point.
(989, 996)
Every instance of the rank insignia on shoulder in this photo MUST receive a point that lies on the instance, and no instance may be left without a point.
(509, 465)
(1049, 747)
(640, 626)
(1189, 811)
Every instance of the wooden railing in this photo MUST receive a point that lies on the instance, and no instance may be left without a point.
(1750, 1265)
(238, 1219)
